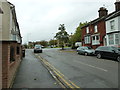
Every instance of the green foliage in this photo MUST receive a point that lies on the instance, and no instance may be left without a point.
(53, 42)
(76, 37)
(25, 45)
(62, 35)
(43, 43)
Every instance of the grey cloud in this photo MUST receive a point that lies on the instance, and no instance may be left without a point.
(41, 18)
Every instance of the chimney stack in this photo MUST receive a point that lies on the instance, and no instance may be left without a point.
(117, 5)
(103, 12)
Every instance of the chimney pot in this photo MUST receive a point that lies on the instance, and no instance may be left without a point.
(117, 5)
(103, 12)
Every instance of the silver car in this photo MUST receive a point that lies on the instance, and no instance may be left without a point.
(38, 48)
(85, 50)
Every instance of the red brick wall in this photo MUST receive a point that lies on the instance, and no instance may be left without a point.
(0, 65)
(101, 31)
(5, 50)
(9, 68)
(82, 35)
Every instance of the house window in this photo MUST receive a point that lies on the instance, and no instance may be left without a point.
(87, 39)
(95, 40)
(14, 37)
(87, 30)
(97, 37)
(116, 39)
(111, 39)
(12, 54)
(93, 37)
(112, 25)
(95, 29)
(18, 50)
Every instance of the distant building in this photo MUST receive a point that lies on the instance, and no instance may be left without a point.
(10, 39)
(113, 27)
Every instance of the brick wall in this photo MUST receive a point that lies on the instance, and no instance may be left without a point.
(0, 65)
(5, 57)
(9, 68)
(101, 31)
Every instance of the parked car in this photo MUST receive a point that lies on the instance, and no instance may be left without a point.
(38, 48)
(108, 52)
(85, 50)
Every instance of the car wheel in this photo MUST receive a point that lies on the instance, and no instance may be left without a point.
(86, 53)
(78, 52)
(118, 58)
(99, 55)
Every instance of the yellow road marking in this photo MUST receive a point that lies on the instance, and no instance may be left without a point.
(74, 84)
(57, 72)
(63, 75)
(63, 79)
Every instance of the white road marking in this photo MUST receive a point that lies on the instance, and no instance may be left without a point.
(92, 66)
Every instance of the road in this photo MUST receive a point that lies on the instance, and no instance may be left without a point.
(83, 71)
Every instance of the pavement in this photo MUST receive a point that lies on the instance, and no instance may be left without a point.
(32, 74)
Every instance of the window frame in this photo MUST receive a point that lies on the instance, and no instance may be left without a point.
(17, 50)
(112, 25)
(12, 54)
(95, 29)
(87, 30)
(95, 40)
(111, 39)
(87, 39)
(116, 39)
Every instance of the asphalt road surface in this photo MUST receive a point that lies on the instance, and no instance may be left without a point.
(83, 71)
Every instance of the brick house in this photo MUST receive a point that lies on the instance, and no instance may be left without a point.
(113, 27)
(10, 43)
(93, 34)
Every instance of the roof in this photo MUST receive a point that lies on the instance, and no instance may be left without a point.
(94, 21)
(113, 15)
(15, 18)
(109, 16)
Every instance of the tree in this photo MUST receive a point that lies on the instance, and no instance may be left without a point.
(43, 43)
(53, 42)
(62, 35)
(76, 37)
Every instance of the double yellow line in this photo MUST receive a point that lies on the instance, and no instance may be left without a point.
(69, 83)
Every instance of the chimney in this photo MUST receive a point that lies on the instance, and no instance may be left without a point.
(117, 5)
(103, 12)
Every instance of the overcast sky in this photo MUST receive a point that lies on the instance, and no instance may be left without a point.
(40, 19)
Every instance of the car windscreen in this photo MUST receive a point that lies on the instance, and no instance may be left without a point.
(86, 48)
(37, 46)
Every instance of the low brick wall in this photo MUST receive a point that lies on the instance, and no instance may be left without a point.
(0, 65)
(9, 66)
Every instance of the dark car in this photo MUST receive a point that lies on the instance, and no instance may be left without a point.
(108, 52)
(85, 50)
(38, 48)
